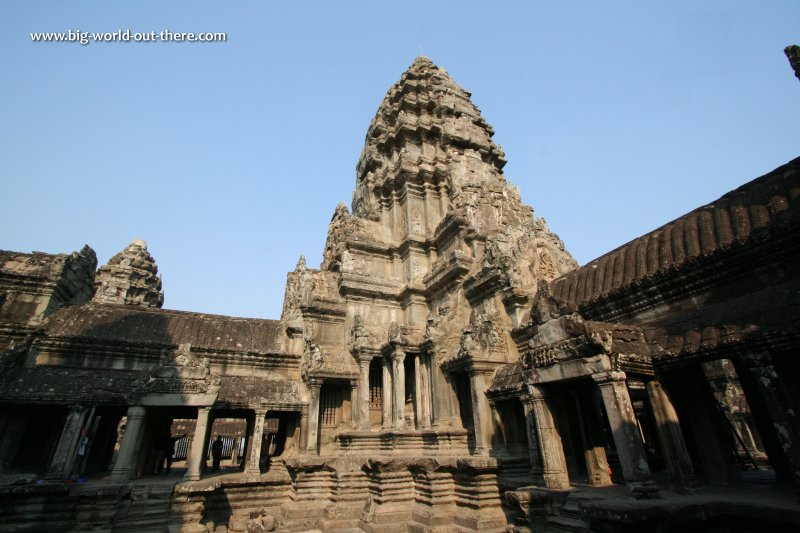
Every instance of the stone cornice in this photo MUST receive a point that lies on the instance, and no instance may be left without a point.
(447, 270)
(362, 284)
(88, 354)
(317, 308)
(483, 284)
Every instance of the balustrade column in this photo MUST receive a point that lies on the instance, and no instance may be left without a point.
(425, 365)
(361, 408)
(314, 386)
(388, 416)
(354, 403)
(399, 388)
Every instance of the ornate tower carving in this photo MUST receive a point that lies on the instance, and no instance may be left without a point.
(130, 277)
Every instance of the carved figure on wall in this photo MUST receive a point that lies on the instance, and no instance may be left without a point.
(313, 357)
(359, 336)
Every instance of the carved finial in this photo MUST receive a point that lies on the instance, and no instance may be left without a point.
(301, 263)
(341, 209)
(130, 277)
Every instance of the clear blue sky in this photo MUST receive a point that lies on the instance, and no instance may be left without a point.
(229, 158)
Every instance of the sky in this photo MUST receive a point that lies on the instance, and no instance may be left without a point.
(229, 158)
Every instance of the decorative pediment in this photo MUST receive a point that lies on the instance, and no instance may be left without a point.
(182, 372)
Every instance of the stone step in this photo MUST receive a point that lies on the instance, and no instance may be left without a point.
(142, 527)
(50, 515)
(27, 526)
(338, 524)
(561, 524)
(148, 512)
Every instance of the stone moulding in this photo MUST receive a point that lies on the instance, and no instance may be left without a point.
(393, 442)
(448, 270)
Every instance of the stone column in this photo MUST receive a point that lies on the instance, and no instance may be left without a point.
(533, 444)
(425, 387)
(440, 393)
(314, 386)
(67, 443)
(625, 429)
(481, 411)
(235, 451)
(388, 417)
(362, 407)
(553, 465)
(303, 437)
(197, 450)
(355, 404)
(418, 391)
(594, 452)
(125, 465)
(782, 411)
(670, 436)
(253, 466)
(398, 360)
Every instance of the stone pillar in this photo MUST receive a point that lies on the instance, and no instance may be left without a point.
(594, 452)
(425, 388)
(481, 411)
(388, 417)
(440, 393)
(125, 465)
(418, 391)
(398, 360)
(235, 451)
(782, 411)
(362, 407)
(198, 447)
(553, 465)
(303, 437)
(533, 444)
(314, 386)
(253, 466)
(670, 436)
(67, 443)
(355, 404)
(625, 429)
(692, 395)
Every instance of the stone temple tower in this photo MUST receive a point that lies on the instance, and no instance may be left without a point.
(422, 282)
(130, 277)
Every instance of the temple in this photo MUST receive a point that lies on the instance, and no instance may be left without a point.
(448, 367)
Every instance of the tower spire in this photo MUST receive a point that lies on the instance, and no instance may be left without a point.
(130, 277)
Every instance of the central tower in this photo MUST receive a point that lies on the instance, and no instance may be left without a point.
(422, 283)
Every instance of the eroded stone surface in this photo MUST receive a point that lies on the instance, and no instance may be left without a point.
(130, 277)
(448, 367)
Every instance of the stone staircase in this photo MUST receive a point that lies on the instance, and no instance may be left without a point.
(147, 508)
(40, 508)
(568, 520)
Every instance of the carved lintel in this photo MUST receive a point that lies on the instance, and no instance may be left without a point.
(603, 378)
